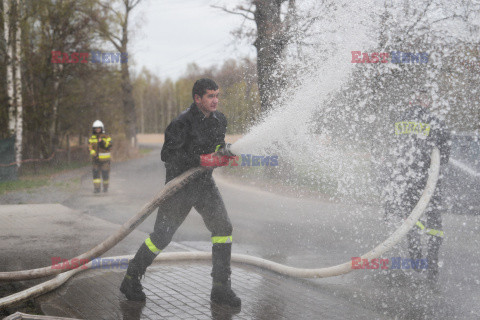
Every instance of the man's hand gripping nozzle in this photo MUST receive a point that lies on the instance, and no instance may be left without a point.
(226, 151)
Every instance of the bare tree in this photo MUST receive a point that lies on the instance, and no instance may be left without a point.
(278, 24)
(12, 32)
(18, 87)
(4, 105)
(9, 54)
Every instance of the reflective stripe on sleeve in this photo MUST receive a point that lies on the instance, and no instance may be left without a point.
(152, 247)
(107, 141)
(226, 239)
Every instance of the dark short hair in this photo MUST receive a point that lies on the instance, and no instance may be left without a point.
(202, 85)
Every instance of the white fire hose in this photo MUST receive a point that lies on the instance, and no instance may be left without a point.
(170, 189)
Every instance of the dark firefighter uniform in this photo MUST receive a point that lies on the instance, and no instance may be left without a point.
(187, 137)
(416, 132)
(100, 145)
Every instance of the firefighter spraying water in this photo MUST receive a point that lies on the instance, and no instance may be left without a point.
(197, 133)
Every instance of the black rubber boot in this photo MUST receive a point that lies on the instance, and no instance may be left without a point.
(96, 190)
(131, 286)
(222, 292)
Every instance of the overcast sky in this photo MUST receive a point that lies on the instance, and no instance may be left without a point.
(169, 34)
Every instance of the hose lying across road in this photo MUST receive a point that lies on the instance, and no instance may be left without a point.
(172, 187)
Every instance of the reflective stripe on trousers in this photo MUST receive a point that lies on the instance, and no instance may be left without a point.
(432, 232)
(103, 156)
(225, 239)
(152, 247)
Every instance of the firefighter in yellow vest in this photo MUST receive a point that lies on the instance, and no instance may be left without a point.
(99, 145)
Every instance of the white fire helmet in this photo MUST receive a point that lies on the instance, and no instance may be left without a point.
(98, 124)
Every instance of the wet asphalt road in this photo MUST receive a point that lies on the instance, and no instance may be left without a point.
(310, 233)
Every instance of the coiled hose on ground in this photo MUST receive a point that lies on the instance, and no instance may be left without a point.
(172, 187)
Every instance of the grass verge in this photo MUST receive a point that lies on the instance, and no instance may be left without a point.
(34, 176)
(22, 184)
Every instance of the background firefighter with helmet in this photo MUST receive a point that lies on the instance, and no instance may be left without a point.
(416, 132)
(100, 145)
(190, 139)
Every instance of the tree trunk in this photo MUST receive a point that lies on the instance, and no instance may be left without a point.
(53, 130)
(18, 87)
(142, 114)
(9, 55)
(270, 45)
(127, 88)
(14, 84)
(128, 105)
(3, 76)
(69, 157)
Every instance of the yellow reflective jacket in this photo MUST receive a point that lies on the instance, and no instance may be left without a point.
(99, 146)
